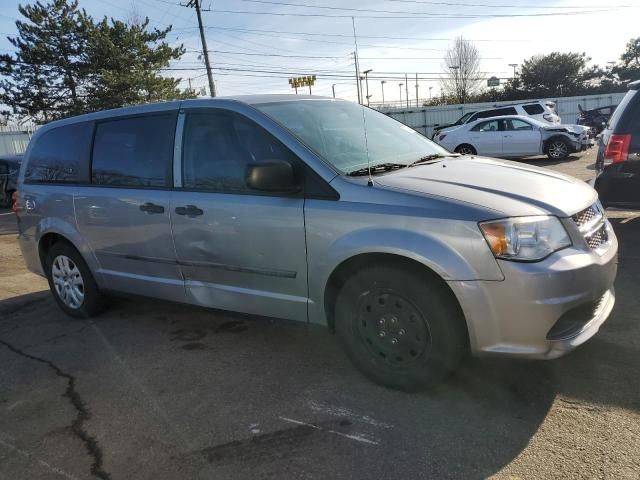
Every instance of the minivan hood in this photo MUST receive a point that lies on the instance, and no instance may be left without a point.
(511, 188)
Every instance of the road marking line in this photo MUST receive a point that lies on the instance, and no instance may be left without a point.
(345, 412)
(357, 438)
(46, 465)
(8, 213)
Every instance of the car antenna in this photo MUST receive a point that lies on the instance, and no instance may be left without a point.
(364, 121)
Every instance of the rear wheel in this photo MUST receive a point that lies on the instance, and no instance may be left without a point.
(465, 149)
(558, 149)
(400, 329)
(71, 283)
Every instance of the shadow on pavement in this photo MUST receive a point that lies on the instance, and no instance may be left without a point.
(212, 393)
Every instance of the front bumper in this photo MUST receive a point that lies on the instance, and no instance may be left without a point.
(517, 316)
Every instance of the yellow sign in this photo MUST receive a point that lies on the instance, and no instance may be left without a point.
(307, 81)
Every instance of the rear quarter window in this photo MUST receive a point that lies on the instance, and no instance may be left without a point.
(533, 109)
(626, 117)
(60, 155)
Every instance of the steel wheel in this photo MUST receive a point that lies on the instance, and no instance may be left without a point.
(67, 281)
(392, 328)
(558, 149)
(465, 150)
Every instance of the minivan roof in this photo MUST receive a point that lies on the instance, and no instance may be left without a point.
(635, 85)
(175, 105)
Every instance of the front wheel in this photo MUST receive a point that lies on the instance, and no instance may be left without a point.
(401, 329)
(71, 283)
(558, 149)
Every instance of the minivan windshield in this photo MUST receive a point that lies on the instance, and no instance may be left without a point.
(335, 130)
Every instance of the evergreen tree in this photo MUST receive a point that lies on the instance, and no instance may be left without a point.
(66, 63)
(46, 78)
(125, 61)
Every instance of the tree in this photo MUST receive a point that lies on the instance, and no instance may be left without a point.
(629, 67)
(558, 74)
(462, 70)
(66, 63)
(47, 76)
(125, 61)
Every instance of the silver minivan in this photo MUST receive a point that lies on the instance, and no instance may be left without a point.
(321, 211)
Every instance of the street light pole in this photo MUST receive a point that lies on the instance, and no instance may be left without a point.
(382, 82)
(400, 86)
(406, 88)
(430, 94)
(333, 89)
(514, 65)
(366, 81)
(416, 89)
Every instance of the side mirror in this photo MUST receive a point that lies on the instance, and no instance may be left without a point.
(275, 176)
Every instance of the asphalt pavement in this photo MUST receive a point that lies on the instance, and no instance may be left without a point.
(153, 390)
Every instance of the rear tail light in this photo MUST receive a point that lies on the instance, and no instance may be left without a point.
(442, 137)
(617, 149)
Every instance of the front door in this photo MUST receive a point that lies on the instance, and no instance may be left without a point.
(520, 138)
(486, 137)
(124, 213)
(237, 249)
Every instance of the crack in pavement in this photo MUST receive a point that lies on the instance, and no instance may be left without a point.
(82, 416)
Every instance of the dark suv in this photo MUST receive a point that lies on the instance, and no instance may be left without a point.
(618, 163)
(9, 167)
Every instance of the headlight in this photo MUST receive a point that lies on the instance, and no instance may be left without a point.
(525, 238)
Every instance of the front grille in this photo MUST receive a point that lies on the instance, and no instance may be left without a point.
(592, 223)
(598, 239)
(586, 216)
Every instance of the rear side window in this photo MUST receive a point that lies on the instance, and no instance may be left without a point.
(490, 126)
(533, 109)
(134, 152)
(626, 117)
(61, 155)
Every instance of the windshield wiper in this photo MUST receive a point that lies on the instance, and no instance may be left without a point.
(378, 168)
(432, 158)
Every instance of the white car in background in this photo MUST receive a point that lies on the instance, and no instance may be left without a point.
(515, 136)
(545, 111)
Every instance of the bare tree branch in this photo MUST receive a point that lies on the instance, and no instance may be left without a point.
(462, 69)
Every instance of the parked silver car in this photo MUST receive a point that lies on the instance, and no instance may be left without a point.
(515, 136)
(322, 211)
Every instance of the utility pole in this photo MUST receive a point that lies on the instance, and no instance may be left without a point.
(189, 80)
(366, 79)
(333, 90)
(416, 89)
(430, 94)
(400, 87)
(205, 51)
(406, 89)
(382, 82)
(357, 61)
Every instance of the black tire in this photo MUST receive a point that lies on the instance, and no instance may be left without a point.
(557, 149)
(93, 302)
(466, 149)
(434, 339)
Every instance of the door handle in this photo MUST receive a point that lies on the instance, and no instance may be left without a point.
(189, 211)
(152, 208)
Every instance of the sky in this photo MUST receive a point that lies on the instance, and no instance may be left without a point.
(259, 52)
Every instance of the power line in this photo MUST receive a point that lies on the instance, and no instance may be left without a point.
(550, 7)
(397, 14)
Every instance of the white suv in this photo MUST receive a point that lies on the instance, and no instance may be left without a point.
(545, 111)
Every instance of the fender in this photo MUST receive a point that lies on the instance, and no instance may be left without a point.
(434, 254)
(71, 233)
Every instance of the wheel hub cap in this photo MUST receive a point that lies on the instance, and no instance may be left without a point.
(67, 281)
(392, 328)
